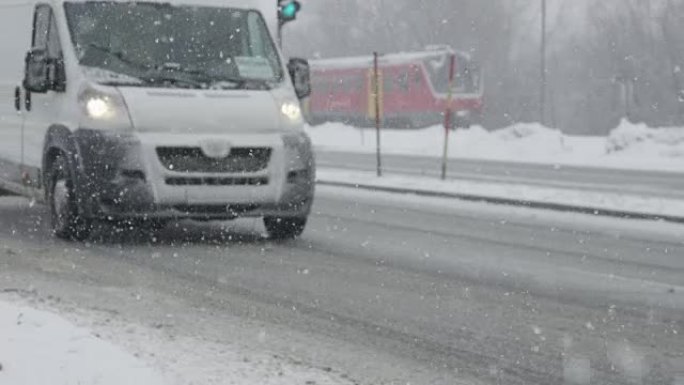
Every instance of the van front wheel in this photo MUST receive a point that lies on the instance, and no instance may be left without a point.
(65, 218)
(284, 228)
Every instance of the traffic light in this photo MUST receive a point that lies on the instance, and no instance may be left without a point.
(287, 10)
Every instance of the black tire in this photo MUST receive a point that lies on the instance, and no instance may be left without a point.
(284, 228)
(66, 221)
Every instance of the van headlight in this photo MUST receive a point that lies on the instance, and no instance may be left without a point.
(99, 107)
(292, 112)
(103, 108)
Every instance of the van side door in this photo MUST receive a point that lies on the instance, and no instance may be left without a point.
(43, 109)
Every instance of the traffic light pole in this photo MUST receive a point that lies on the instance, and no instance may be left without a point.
(280, 34)
(376, 90)
(542, 65)
(448, 122)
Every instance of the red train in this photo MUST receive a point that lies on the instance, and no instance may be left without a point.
(413, 93)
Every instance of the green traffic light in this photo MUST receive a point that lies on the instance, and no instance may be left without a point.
(289, 10)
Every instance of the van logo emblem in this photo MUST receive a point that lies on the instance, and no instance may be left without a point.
(215, 148)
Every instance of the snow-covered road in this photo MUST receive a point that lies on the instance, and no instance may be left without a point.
(382, 289)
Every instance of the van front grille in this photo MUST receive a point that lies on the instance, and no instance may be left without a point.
(213, 181)
(192, 159)
(216, 209)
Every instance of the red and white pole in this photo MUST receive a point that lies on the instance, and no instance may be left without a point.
(447, 115)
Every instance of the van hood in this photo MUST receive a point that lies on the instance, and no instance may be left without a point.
(199, 111)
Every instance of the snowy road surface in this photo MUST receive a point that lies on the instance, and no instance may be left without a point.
(638, 182)
(381, 289)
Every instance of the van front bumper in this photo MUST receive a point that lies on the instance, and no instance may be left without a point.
(168, 176)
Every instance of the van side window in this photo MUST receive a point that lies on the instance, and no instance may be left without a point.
(54, 46)
(41, 27)
(256, 45)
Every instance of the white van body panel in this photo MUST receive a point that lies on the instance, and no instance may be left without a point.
(51, 108)
(160, 118)
(221, 112)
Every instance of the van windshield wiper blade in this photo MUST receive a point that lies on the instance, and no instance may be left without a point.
(159, 77)
(118, 55)
(242, 83)
(148, 74)
(221, 80)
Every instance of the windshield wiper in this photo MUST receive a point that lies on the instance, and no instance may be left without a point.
(241, 83)
(222, 81)
(117, 55)
(162, 77)
(148, 74)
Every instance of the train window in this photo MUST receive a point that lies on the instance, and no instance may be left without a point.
(358, 83)
(327, 86)
(438, 70)
(418, 77)
(388, 82)
(403, 82)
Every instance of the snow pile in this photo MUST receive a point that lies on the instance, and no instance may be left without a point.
(519, 142)
(638, 139)
(41, 348)
(629, 146)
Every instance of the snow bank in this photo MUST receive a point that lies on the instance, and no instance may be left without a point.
(39, 348)
(531, 141)
(627, 147)
(639, 139)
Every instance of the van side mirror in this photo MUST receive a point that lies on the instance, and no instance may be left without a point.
(300, 73)
(36, 78)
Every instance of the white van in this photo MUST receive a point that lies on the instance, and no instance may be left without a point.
(148, 111)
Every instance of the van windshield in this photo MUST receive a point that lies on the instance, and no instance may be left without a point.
(173, 45)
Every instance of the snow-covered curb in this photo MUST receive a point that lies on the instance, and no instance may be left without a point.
(38, 347)
(533, 196)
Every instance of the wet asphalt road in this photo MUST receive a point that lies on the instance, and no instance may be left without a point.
(392, 289)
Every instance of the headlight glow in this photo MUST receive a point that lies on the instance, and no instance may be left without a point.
(292, 111)
(103, 108)
(99, 108)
